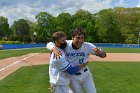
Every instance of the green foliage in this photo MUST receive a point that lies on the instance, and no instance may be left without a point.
(108, 29)
(21, 27)
(40, 39)
(90, 33)
(86, 20)
(33, 28)
(10, 42)
(14, 38)
(18, 38)
(27, 39)
(45, 24)
(4, 27)
(131, 39)
(0, 38)
(64, 23)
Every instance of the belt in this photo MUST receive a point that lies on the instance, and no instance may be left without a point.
(79, 73)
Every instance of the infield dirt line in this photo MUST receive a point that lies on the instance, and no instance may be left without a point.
(9, 68)
(14, 63)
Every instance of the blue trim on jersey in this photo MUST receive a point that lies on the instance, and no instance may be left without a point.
(72, 70)
(66, 67)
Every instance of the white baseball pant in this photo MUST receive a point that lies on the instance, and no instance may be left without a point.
(62, 89)
(84, 80)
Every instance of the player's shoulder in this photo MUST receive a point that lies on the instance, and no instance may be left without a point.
(69, 42)
(88, 44)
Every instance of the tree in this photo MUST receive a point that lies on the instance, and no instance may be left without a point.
(129, 22)
(80, 18)
(108, 28)
(131, 39)
(21, 28)
(86, 20)
(64, 23)
(90, 33)
(45, 25)
(4, 27)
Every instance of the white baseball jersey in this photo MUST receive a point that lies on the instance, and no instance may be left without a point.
(56, 70)
(78, 56)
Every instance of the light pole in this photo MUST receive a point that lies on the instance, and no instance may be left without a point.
(33, 37)
(34, 33)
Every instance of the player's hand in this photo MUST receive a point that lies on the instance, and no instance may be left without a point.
(99, 52)
(86, 63)
(83, 65)
(56, 52)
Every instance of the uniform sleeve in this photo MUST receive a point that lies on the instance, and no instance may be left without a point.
(90, 46)
(50, 45)
(62, 63)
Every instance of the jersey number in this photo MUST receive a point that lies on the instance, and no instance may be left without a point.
(81, 61)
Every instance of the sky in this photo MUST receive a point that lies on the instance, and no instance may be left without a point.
(27, 9)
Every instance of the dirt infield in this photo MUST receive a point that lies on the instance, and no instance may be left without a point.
(9, 65)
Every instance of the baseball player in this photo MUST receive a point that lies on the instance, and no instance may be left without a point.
(60, 68)
(77, 52)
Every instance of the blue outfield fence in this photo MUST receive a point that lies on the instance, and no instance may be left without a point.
(17, 46)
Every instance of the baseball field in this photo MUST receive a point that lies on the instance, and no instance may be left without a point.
(28, 71)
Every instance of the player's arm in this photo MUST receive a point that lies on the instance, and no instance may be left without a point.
(50, 45)
(74, 70)
(54, 49)
(96, 51)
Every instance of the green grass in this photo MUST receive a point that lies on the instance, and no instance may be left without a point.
(109, 78)
(32, 79)
(122, 50)
(19, 52)
(117, 77)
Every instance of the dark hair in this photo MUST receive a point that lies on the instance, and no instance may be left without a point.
(58, 35)
(78, 31)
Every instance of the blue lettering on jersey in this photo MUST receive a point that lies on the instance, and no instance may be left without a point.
(81, 61)
(75, 54)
